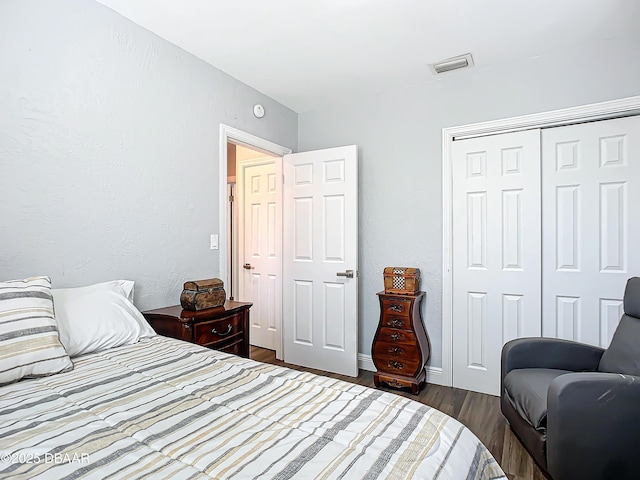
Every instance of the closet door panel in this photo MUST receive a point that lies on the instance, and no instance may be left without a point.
(591, 226)
(496, 252)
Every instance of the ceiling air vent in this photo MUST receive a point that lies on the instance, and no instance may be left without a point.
(449, 64)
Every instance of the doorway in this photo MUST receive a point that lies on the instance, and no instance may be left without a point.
(243, 152)
(319, 214)
(255, 239)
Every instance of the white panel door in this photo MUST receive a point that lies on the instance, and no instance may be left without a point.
(591, 228)
(320, 245)
(496, 252)
(260, 245)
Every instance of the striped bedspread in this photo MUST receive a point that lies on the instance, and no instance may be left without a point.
(167, 409)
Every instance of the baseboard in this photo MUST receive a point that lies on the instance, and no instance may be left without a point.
(365, 362)
(434, 374)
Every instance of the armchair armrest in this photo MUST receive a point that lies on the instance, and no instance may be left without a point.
(539, 352)
(593, 426)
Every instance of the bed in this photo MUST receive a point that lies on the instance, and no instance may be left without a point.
(162, 408)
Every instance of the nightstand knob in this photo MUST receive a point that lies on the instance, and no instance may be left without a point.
(215, 332)
(396, 308)
(395, 336)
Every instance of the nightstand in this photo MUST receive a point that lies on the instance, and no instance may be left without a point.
(224, 328)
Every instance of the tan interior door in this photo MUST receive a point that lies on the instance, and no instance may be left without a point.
(260, 249)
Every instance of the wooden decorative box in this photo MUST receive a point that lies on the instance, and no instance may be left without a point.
(202, 294)
(401, 280)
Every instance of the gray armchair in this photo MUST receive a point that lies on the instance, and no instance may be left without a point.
(575, 407)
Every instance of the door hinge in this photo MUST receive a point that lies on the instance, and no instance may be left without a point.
(231, 198)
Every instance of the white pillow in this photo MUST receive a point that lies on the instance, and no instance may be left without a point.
(98, 317)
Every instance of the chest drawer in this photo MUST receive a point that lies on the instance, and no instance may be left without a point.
(397, 358)
(397, 337)
(396, 307)
(218, 333)
(395, 321)
(392, 349)
(399, 365)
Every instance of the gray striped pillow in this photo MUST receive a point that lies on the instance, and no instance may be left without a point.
(29, 344)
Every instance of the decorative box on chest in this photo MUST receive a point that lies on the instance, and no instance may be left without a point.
(401, 345)
(203, 294)
(401, 280)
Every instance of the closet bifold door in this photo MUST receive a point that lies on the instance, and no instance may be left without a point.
(496, 252)
(591, 226)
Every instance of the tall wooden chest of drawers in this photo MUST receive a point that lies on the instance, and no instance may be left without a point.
(224, 328)
(401, 344)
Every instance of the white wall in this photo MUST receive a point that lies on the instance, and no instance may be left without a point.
(109, 149)
(400, 149)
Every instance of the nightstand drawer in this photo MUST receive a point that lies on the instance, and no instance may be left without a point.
(218, 331)
(235, 346)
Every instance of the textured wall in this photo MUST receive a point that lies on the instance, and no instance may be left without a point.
(400, 149)
(109, 149)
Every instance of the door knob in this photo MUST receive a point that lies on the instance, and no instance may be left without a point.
(247, 266)
(348, 274)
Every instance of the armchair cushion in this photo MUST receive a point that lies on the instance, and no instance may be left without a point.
(623, 355)
(526, 390)
(632, 297)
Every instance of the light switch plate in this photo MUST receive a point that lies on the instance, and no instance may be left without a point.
(214, 241)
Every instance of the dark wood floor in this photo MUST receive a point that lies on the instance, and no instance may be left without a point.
(479, 412)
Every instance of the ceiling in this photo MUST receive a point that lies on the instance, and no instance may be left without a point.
(310, 53)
